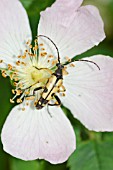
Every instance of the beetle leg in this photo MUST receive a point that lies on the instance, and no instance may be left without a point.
(38, 88)
(57, 99)
(39, 81)
(49, 104)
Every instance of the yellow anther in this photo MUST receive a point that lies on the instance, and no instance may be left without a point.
(43, 54)
(11, 101)
(23, 109)
(41, 44)
(26, 51)
(23, 63)
(19, 56)
(30, 98)
(72, 65)
(27, 92)
(4, 75)
(18, 63)
(3, 71)
(51, 56)
(15, 73)
(16, 79)
(68, 59)
(36, 41)
(42, 49)
(36, 47)
(35, 103)
(19, 101)
(30, 46)
(63, 94)
(54, 62)
(18, 92)
(48, 61)
(10, 67)
(24, 56)
(30, 54)
(28, 42)
(13, 91)
(15, 84)
(27, 104)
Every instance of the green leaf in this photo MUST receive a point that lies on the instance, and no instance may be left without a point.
(3, 160)
(5, 95)
(107, 136)
(16, 164)
(5, 106)
(92, 156)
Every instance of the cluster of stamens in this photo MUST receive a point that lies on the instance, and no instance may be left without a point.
(14, 72)
(24, 74)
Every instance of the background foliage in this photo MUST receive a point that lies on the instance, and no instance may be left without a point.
(94, 150)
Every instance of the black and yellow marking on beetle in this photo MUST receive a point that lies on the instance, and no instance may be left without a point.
(54, 83)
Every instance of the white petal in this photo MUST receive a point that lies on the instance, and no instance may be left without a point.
(89, 93)
(33, 134)
(14, 30)
(73, 30)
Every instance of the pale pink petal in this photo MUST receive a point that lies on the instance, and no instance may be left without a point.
(73, 29)
(73, 4)
(33, 134)
(89, 93)
(14, 30)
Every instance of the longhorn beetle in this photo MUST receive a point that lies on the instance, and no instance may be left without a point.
(54, 83)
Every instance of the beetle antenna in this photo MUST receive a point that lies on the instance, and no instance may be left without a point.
(53, 44)
(91, 62)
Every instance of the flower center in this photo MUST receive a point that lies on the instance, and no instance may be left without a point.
(31, 72)
(27, 74)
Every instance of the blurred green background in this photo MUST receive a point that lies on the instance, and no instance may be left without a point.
(94, 150)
